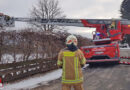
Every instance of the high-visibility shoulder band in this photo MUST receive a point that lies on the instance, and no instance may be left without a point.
(59, 62)
(67, 53)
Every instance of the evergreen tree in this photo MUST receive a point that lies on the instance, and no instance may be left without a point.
(125, 14)
(125, 9)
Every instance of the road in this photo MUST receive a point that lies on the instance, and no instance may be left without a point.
(106, 77)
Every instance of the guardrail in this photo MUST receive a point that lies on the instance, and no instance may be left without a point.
(18, 70)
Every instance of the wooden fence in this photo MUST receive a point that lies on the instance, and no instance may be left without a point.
(18, 70)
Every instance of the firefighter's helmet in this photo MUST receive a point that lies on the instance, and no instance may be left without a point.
(71, 39)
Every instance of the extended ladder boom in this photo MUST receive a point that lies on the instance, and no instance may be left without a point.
(73, 22)
(7, 21)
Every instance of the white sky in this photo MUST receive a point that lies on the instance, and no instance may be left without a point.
(94, 9)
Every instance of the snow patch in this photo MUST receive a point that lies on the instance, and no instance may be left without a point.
(34, 82)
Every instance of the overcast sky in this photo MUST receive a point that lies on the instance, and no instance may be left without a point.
(94, 9)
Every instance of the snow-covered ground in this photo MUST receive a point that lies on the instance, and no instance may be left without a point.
(33, 81)
(8, 58)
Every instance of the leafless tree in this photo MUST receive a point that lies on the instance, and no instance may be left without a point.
(46, 9)
(26, 42)
(14, 39)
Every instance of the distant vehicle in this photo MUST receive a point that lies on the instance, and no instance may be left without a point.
(6, 21)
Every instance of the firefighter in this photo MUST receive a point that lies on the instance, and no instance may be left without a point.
(71, 59)
(110, 27)
(98, 36)
(113, 25)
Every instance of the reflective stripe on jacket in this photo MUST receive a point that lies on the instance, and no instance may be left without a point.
(71, 64)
